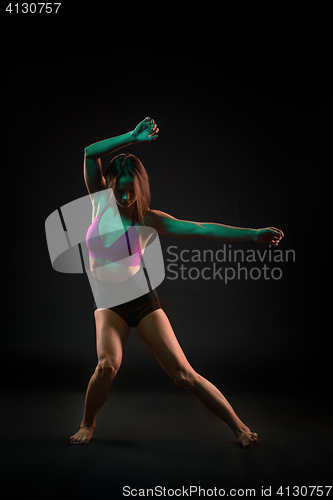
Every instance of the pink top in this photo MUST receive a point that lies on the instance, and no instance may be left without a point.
(127, 246)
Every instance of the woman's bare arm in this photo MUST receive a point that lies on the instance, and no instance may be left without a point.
(170, 226)
(146, 131)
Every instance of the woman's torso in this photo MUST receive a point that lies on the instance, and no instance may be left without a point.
(116, 244)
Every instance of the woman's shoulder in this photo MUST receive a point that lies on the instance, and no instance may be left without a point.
(152, 217)
(156, 218)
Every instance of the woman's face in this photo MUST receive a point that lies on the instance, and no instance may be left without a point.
(124, 191)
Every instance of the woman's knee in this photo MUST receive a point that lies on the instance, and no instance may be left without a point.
(107, 368)
(185, 377)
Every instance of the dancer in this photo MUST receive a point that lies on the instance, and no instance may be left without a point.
(128, 180)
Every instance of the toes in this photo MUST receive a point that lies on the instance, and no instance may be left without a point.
(79, 439)
(248, 439)
(253, 439)
(75, 439)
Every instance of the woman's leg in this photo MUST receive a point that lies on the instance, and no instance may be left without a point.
(157, 333)
(112, 333)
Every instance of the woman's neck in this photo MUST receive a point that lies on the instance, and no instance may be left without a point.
(127, 213)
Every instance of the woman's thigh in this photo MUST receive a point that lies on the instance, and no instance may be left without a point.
(112, 333)
(156, 331)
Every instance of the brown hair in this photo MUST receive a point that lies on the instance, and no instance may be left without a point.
(127, 164)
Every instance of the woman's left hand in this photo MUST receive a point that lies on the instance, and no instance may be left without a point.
(269, 235)
(146, 131)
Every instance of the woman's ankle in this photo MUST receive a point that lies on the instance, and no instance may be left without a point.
(87, 426)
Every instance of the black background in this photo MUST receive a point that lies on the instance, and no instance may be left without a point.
(244, 140)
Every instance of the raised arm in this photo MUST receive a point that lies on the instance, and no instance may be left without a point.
(146, 131)
(166, 224)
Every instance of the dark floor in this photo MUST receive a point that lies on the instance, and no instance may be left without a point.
(148, 440)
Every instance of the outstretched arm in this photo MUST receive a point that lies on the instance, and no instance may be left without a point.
(230, 233)
(146, 131)
(168, 225)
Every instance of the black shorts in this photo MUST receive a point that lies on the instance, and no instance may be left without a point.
(135, 310)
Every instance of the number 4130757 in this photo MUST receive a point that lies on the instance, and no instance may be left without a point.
(304, 491)
(33, 8)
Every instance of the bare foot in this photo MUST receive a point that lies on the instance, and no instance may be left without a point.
(83, 435)
(246, 437)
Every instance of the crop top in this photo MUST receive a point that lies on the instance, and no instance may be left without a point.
(126, 248)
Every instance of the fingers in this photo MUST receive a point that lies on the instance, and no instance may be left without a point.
(271, 235)
(155, 131)
(278, 231)
(151, 122)
(276, 236)
(153, 128)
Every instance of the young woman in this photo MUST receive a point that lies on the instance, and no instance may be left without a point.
(128, 180)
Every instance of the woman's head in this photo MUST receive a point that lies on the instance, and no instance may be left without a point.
(129, 180)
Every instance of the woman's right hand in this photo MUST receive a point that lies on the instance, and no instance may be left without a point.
(146, 131)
